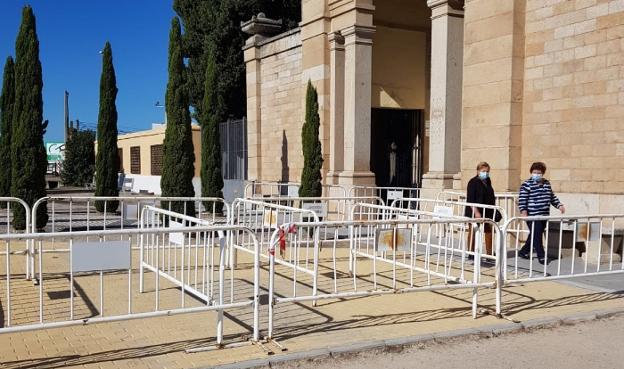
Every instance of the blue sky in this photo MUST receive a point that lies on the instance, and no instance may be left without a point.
(71, 32)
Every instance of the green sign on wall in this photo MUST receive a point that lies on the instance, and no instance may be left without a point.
(54, 150)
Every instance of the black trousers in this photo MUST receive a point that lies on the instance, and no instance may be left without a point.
(536, 234)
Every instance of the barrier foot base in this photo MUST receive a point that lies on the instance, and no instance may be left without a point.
(272, 342)
(499, 316)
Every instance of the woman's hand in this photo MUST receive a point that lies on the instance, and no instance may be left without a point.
(562, 209)
(524, 213)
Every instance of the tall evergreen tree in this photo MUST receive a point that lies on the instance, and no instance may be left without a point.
(7, 99)
(217, 22)
(212, 107)
(312, 155)
(178, 155)
(79, 162)
(28, 154)
(107, 159)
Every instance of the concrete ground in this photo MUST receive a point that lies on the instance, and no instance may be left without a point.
(594, 344)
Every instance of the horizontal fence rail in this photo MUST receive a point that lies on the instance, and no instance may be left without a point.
(257, 189)
(100, 278)
(326, 208)
(389, 256)
(387, 194)
(505, 200)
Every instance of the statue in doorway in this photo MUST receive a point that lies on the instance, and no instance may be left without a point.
(392, 157)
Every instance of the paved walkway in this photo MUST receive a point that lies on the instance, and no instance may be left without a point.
(162, 342)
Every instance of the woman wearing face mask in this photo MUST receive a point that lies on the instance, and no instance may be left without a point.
(536, 196)
(480, 191)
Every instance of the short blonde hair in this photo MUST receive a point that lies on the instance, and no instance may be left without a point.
(483, 164)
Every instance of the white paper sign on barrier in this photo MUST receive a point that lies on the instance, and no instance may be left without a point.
(444, 211)
(397, 239)
(95, 256)
(394, 194)
(319, 208)
(176, 237)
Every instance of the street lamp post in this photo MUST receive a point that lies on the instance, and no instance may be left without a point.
(159, 105)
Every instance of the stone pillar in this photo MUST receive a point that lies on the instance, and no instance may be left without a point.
(493, 103)
(447, 35)
(260, 28)
(254, 121)
(336, 103)
(357, 105)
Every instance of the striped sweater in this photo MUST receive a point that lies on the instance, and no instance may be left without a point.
(536, 197)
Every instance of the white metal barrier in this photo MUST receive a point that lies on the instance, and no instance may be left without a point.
(401, 256)
(266, 218)
(326, 208)
(573, 246)
(78, 213)
(387, 194)
(449, 208)
(96, 282)
(7, 206)
(257, 189)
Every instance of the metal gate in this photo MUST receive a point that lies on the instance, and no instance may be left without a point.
(233, 136)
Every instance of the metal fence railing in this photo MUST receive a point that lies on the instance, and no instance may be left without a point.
(78, 213)
(390, 257)
(146, 260)
(562, 247)
(96, 271)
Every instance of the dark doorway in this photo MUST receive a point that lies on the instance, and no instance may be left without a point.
(404, 128)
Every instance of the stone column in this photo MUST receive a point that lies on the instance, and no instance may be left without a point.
(357, 105)
(336, 103)
(254, 121)
(447, 35)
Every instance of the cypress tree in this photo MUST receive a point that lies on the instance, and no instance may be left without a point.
(212, 110)
(219, 23)
(28, 155)
(178, 155)
(312, 154)
(107, 159)
(79, 162)
(7, 99)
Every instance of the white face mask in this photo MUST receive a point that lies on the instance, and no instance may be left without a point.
(484, 175)
(536, 177)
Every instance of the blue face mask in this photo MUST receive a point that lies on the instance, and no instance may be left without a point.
(484, 175)
(536, 177)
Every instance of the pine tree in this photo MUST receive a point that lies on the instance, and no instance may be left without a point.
(312, 155)
(212, 110)
(107, 159)
(178, 155)
(28, 154)
(79, 162)
(7, 99)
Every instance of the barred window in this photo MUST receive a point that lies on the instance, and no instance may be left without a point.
(120, 155)
(157, 159)
(135, 160)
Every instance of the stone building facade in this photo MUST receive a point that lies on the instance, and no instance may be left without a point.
(450, 83)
